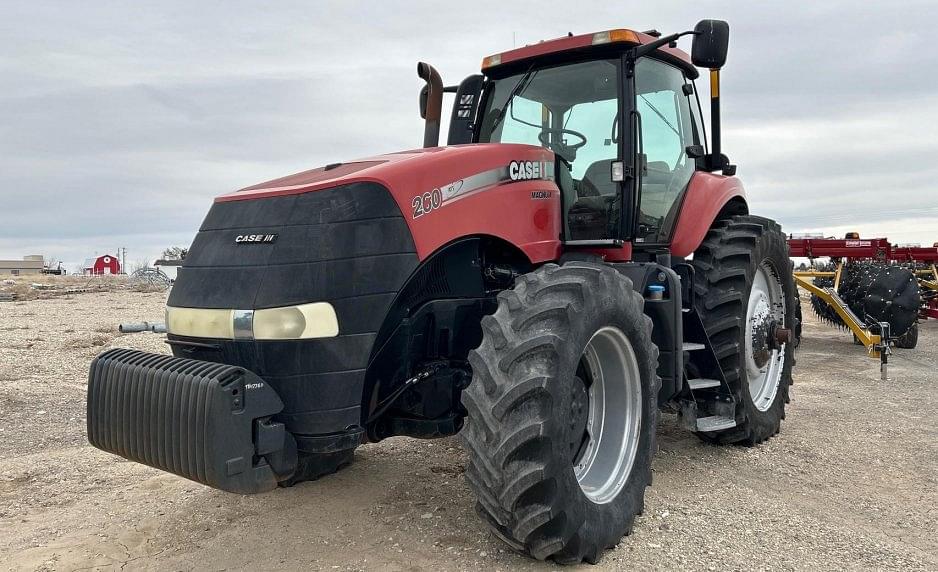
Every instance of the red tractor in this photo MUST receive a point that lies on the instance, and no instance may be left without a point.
(572, 262)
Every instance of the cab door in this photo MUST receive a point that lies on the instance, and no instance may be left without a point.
(664, 103)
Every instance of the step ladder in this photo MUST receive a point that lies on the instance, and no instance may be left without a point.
(713, 404)
(703, 383)
(715, 423)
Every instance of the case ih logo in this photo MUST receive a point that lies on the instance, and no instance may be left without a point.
(525, 170)
(858, 243)
(255, 238)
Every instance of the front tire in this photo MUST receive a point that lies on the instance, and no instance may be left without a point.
(568, 346)
(744, 292)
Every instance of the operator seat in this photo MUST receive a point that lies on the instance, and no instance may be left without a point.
(599, 176)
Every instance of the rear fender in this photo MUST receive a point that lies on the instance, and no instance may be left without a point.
(709, 197)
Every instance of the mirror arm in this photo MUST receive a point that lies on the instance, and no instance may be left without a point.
(648, 48)
(715, 135)
(716, 160)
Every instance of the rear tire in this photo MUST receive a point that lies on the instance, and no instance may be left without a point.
(529, 412)
(734, 254)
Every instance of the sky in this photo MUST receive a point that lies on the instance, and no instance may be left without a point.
(120, 121)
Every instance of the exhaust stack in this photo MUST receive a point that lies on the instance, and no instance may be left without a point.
(432, 106)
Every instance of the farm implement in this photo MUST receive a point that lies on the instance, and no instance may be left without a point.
(878, 291)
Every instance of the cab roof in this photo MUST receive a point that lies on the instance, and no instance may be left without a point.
(583, 43)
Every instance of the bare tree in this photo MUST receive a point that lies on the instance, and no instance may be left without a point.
(52, 265)
(175, 253)
(139, 265)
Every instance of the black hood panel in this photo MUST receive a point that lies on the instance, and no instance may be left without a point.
(331, 245)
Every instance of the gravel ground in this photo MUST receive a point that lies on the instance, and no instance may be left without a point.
(850, 483)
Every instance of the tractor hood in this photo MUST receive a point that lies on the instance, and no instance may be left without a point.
(291, 239)
(409, 171)
(427, 184)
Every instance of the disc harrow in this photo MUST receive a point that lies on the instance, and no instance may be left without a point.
(876, 290)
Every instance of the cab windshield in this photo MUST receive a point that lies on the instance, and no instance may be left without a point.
(572, 110)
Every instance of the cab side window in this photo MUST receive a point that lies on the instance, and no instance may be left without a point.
(666, 131)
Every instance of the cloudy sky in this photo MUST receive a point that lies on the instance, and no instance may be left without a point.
(119, 121)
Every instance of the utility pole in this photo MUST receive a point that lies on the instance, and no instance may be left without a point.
(122, 257)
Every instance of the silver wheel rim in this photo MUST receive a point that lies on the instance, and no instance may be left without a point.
(766, 306)
(615, 415)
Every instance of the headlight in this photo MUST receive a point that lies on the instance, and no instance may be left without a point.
(306, 321)
(200, 322)
(279, 324)
(317, 320)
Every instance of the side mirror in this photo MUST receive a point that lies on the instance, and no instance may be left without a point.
(711, 41)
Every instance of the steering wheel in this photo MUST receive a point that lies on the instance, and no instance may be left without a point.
(561, 147)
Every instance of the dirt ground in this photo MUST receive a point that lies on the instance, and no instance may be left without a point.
(850, 483)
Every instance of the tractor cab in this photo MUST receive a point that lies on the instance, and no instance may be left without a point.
(620, 180)
(574, 110)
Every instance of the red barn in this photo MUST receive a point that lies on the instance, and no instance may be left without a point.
(104, 264)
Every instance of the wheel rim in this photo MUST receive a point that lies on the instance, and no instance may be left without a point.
(765, 358)
(613, 424)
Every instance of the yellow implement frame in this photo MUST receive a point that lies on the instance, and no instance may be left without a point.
(873, 342)
(930, 284)
(876, 347)
(836, 274)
